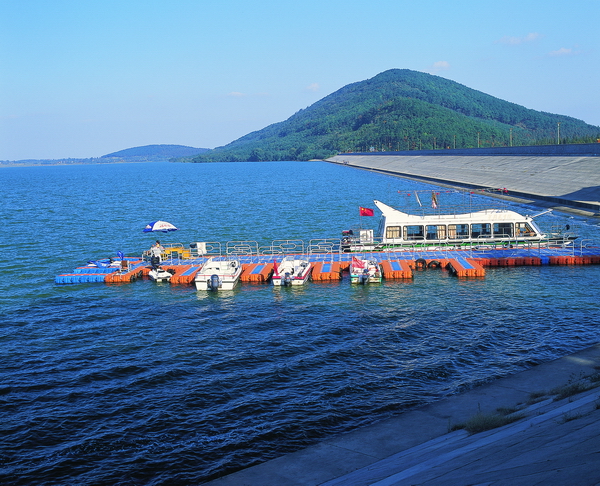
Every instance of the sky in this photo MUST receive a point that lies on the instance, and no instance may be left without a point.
(84, 78)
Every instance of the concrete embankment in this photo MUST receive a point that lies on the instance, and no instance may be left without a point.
(567, 181)
(553, 441)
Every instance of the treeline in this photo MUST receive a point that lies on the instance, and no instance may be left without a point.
(402, 110)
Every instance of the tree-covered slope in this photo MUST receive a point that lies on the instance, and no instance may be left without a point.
(401, 109)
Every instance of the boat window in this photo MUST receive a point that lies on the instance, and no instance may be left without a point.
(436, 232)
(503, 229)
(458, 231)
(413, 232)
(481, 230)
(392, 232)
(525, 229)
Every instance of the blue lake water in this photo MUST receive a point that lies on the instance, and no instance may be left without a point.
(153, 384)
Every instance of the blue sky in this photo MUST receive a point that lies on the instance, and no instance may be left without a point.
(83, 78)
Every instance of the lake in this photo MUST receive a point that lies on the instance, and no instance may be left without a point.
(157, 384)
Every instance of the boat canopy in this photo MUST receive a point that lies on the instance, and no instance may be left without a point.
(395, 216)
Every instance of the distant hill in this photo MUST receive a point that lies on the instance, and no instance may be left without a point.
(401, 109)
(147, 153)
(157, 152)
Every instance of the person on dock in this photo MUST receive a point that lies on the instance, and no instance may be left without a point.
(156, 253)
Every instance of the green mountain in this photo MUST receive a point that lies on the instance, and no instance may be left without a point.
(401, 109)
(161, 152)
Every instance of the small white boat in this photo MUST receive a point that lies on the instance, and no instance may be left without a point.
(218, 274)
(291, 271)
(364, 271)
(159, 274)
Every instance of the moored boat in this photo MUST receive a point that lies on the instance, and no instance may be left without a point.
(485, 228)
(364, 271)
(218, 274)
(159, 274)
(291, 271)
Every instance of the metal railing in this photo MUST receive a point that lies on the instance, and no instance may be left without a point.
(283, 247)
(415, 248)
(324, 245)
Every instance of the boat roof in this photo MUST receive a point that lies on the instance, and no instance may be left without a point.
(487, 215)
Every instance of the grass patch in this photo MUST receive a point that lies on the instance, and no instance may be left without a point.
(507, 410)
(574, 386)
(567, 417)
(481, 422)
(595, 378)
(570, 390)
(535, 397)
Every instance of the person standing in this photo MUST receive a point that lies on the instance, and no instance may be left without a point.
(156, 253)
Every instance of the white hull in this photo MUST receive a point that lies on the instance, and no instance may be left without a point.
(292, 272)
(160, 275)
(365, 272)
(218, 275)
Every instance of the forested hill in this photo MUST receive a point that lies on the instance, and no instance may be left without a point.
(401, 109)
(156, 152)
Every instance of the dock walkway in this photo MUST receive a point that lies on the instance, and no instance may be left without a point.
(329, 266)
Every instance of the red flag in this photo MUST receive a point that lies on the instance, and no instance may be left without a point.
(357, 263)
(366, 212)
(275, 271)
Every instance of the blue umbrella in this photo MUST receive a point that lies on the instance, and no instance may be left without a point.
(159, 226)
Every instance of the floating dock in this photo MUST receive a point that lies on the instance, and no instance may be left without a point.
(399, 264)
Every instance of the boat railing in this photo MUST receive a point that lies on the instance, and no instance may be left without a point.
(366, 243)
(324, 245)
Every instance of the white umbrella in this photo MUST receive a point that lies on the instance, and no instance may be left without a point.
(163, 226)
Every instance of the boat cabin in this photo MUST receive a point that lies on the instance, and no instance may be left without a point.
(489, 226)
(397, 227)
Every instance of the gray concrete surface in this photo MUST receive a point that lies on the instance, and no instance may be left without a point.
(568, 183)
(554, 442)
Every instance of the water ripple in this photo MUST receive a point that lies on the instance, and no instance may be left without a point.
(146, 384)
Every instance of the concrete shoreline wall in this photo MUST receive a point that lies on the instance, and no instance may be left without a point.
(565, 182)
(567, 150)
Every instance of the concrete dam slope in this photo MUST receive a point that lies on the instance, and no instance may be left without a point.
(566, 180)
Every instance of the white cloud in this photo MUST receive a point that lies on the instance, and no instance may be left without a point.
(236, 94)
(563, 51)
(312, 87)
(439, 66)
(515, 41)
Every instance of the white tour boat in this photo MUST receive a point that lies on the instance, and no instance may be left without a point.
(291, 271)
(485, 228)
(364, 271)
(218, 274)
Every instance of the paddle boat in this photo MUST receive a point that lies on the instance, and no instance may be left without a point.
(488, 228)
(364, 271)
(218, 274)
(291, 271)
